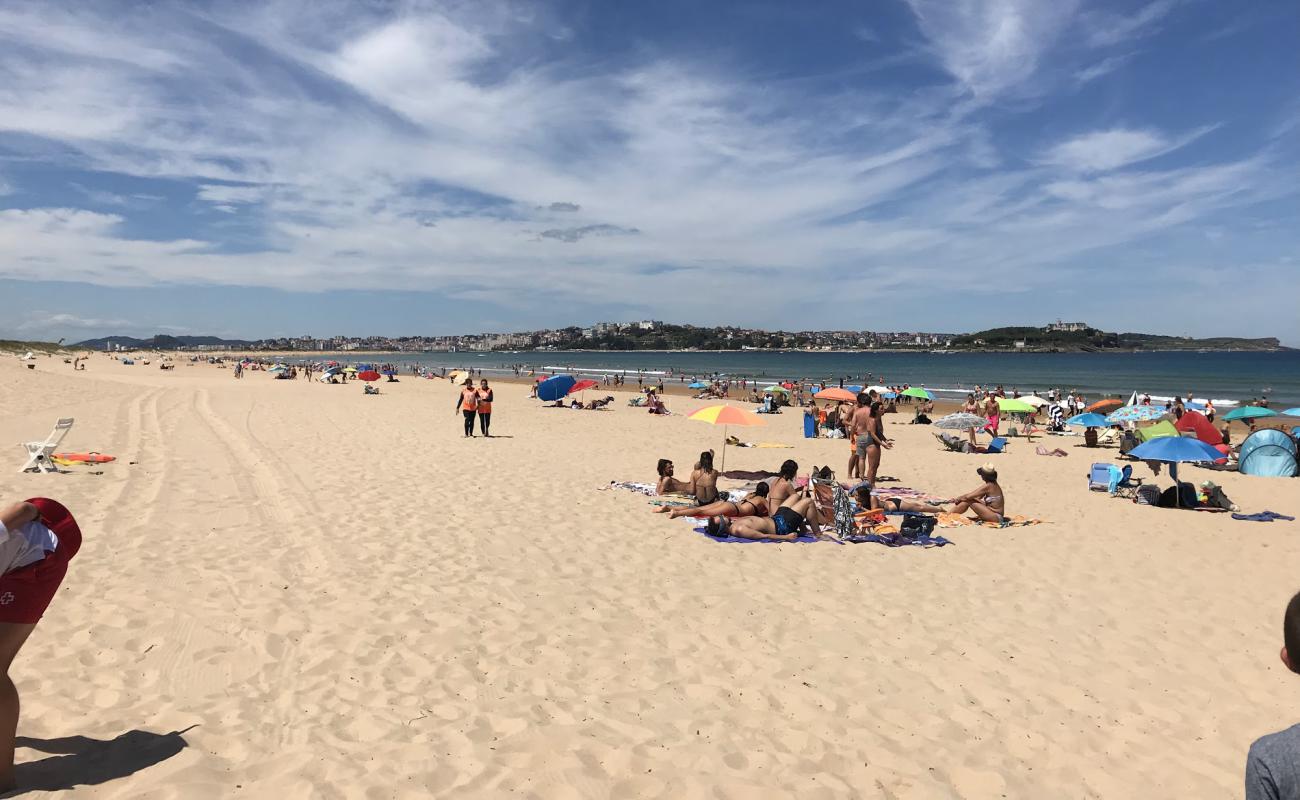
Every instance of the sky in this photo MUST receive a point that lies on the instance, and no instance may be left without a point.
(311, 167)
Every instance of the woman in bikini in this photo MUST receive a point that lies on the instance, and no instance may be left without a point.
(800, 512)
(875, 440)
(988, 501)
(704, 480)
(754, 504)
(869, 502)
(782, 486)
(971, 407)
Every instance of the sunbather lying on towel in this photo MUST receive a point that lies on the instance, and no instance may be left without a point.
(870, 502)
(797, 514)
(754, 504)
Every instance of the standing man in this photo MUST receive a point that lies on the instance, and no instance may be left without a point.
(467, 403)
(860, 428)
(484, 407)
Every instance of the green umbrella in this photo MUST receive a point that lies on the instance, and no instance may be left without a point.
(1249, 412)
(1009, 405)
(917, 391)
(780, 389)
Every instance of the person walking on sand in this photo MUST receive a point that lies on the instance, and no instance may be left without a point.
(468, 404)
(37, 540)
(484, 407)
(1273, 764)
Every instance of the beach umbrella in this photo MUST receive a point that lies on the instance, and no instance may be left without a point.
(1105, 406)
(555, 388)
(1088, 420)
(390, 372)
(698, 385)
(1161, 429)
(278, 368)
(854, 388)
(1136, 414)
(960, 421)
(1291, 412)
(726, 416)
(457, 376)
(583, 385)
(368, 375)
(776, 389)
(917, 391)
(1249, 412)
(1011, 405)
(349, 369)
(1034, 400)
(836, 394)
(1174, 450)
(878, 389)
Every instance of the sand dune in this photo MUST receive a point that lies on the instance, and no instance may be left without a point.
(335, 595)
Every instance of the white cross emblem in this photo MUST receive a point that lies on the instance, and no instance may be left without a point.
(6, 598)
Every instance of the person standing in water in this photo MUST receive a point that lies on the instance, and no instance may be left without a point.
(484, 407)
(468, 404)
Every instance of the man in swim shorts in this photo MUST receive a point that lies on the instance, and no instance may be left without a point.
(37, 540)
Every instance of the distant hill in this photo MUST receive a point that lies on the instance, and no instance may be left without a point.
(159, 342)
(1093, 340)
(11, 346)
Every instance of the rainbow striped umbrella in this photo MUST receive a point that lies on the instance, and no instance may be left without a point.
(725, 416)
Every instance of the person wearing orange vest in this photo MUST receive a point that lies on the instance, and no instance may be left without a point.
(484, 407)
(468, 403)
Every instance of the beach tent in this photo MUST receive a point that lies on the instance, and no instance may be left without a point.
(1268, 452)
(1196, 422)
(1159, 430)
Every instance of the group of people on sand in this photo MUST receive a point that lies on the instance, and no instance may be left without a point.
(475, 401)
(779, 509)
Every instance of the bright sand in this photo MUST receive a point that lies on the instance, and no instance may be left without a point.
(338, 596)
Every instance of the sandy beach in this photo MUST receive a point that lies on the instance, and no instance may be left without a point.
(290, 589)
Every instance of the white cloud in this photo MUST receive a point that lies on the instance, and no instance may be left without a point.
(1101, 151)
(1101, 68)
(992, 46)
(1105, 29)
(49, 321)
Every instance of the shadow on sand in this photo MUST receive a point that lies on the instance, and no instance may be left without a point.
(83, 761)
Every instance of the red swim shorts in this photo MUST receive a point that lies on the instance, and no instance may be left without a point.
(26, 592)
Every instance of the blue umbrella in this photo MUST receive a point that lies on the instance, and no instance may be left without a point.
(854, 388)
(390, 372)
(554, 388)
(1175, 449)
(1249, 412)
(1088, 420)
(698, 385)
(1291, 412)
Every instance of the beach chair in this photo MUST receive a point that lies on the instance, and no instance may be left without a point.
(952, 442)
(38, 453)
(1124, 484)
(828, 495)
(998, 445)
(1099, 477)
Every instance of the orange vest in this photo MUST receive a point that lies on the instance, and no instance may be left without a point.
(485, 402)
(469, 400)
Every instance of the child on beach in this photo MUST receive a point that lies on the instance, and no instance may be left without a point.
(37, 540)
(1273, 765)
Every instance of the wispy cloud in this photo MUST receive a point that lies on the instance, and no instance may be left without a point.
(1100, 68)
(1105, 29)
(1102, 151)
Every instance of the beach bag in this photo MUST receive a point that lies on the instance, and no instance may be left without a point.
(1147, 495)
(917, 525)
(1181, 496)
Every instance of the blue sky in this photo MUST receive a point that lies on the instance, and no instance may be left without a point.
(316, 167)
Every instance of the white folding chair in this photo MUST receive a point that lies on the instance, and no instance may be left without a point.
(38, 453)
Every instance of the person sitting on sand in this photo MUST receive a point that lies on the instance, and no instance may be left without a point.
(704, 480)
(754, 504)
(1272, 769)
(37, 540)
(667, 484)
(782, 486)
(797, 514)
(988, 501)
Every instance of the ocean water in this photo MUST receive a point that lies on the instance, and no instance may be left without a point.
(1226, 378)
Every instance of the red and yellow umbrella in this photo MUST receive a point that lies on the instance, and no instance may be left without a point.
(725, 416)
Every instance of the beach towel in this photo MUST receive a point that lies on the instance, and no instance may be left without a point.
(1263, 516)
(947, 520)
(738, 540)
(772, 445)
(632, 486)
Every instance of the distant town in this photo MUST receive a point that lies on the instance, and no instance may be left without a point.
(1057, 336)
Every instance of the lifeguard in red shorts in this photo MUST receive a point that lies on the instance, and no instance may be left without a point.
(37, 540)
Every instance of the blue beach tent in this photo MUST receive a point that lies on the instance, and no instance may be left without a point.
(1269, 453)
